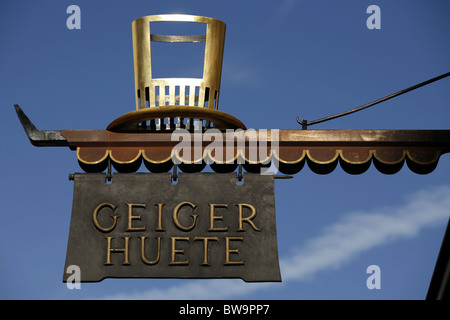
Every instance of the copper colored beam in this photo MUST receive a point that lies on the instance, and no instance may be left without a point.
(322, 150)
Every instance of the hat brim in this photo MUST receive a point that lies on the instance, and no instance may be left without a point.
(130, 122)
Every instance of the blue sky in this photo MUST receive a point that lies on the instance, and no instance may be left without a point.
(282, 59)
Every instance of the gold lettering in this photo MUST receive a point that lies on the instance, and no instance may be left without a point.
(178, 251)
(160, 212)
(228, 251)
(205, 248)
(115, 250)
(212, 217)
(175, 216)
(143, 258)
(95, 217)
(131, 217)
(246, 219)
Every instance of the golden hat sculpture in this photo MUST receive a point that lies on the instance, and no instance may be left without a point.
(170, 103)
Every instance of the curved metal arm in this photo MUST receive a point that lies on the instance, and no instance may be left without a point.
(305, 123)
(40, 138)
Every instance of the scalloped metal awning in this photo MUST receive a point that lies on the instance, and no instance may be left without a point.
(322, 150)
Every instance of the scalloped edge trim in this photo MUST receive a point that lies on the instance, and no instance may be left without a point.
(206, 156)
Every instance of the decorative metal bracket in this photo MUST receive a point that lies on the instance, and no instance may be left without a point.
(40, 138)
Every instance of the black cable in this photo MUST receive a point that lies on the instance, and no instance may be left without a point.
(306, 123)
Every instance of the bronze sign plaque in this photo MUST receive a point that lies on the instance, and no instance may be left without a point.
(141, 225)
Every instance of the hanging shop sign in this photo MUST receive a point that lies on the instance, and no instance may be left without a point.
(205, 226)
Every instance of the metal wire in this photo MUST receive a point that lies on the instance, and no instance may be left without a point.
(306, 123)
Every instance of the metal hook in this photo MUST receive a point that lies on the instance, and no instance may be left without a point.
(109, 172)
(240, 176)
(304, 123)
(174, 173)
